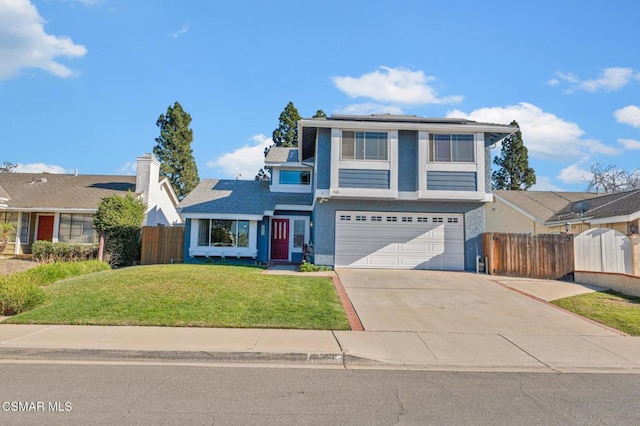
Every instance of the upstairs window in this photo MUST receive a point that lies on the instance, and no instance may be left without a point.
(452, 148)
(372, 146)
(295, 177)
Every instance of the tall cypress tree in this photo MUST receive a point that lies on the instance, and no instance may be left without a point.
(514, 172)
(286, 134)
(174, 152)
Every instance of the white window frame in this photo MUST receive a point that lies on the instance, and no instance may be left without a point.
(451, 160)
(276, 186)
(211, 251)
(391, 164)
(364, 157)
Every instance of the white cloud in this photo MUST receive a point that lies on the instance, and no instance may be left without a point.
(630, 144)
(611, 79)
(40, 168)
(543, 183)
(183, 30)
(545, 135)
(370, 108)
(628, 115)
(244, 161)
(24, 43)
(574, 173)
(129, 168)
(395, 85)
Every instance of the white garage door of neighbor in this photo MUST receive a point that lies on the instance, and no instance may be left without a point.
(399, 240)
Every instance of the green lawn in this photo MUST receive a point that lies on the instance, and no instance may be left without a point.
(614, 309)
(191, 295)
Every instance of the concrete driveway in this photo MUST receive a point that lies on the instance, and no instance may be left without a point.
(454, 302)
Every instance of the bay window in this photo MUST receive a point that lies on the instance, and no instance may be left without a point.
(223, 233)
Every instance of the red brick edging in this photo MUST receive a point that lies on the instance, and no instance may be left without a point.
(352, 316)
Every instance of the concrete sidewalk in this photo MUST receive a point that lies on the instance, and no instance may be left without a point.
(339, 349)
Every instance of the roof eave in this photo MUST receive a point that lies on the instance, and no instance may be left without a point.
(400, 125)
(520, 210)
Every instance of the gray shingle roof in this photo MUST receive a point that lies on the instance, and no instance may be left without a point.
(607, 205)
(237, 197)
(278, 154)
(550, 206)
(56, 191)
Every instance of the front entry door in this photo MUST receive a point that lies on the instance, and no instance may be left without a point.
(280, 239)
(45, 228)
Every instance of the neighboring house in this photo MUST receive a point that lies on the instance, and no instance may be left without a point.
(379, 191)
(539, 212)
(60, 207)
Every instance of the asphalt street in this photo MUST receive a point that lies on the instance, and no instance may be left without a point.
(45, 393)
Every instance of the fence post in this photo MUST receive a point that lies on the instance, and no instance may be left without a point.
(635, 253)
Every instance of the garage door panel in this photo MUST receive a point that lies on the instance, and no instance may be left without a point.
(399, 240)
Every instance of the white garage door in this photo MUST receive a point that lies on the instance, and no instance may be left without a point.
(399, 240)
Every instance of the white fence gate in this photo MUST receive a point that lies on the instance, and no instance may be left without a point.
(603, 250)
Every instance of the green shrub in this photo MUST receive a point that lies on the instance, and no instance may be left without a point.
(48, 252)
(120, 220)
(310, 267)
(19, 294)
(49, 273)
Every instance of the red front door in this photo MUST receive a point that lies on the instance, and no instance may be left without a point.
(45, 228)
(280, 239)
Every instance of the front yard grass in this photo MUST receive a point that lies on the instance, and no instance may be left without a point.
(191, 295)
(611, 308)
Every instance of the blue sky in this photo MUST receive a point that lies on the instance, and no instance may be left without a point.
(82, 82)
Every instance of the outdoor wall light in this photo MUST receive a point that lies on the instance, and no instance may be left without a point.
(633, 228)
(567, 227)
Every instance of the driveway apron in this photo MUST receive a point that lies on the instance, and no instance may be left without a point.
(453, 302)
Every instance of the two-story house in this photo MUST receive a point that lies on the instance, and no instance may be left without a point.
(378, 191)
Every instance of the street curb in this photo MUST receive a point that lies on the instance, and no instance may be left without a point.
(31, 354)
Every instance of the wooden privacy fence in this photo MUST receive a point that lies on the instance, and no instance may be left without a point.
(545, 256)
(161, 244)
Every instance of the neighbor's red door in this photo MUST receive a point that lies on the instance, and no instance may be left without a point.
(45, 228)
(280, 239)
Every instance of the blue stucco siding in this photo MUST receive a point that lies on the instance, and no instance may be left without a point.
(452, 181)
(363, 178)
(323, 160)
(487, 168)
(187, 240)
(324, 222)
(263, 240)
(407, 160)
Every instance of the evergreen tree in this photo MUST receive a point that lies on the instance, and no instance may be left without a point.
(8, 167)
(286, 134)
(514, 172)
(263, 174)
(174, 152)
